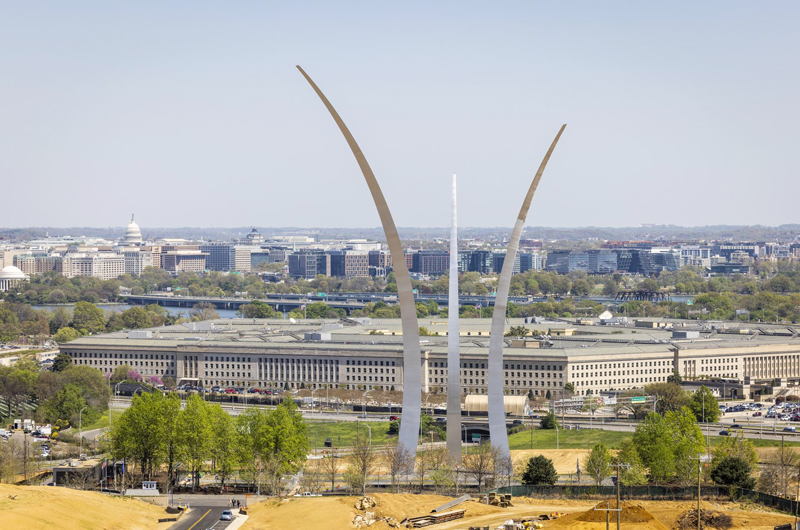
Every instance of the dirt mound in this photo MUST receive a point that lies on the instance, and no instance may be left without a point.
(631, 513)
(68, 509)
(708, 519)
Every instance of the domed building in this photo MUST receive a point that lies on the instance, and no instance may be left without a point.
(11, 277)
(133, 236)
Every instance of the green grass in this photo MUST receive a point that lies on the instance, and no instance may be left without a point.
(588, 438)
(103, 421)
(343, 433)
(582, 439)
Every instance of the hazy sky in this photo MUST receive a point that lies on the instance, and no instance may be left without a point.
(193, 114)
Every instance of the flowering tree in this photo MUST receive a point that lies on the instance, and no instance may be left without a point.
(133, 375)
(154, 380)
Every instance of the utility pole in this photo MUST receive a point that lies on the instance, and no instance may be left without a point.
(618, 497)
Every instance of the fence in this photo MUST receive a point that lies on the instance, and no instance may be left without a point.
(626, 492)
(779, 503)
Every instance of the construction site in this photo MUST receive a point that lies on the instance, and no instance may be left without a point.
(499, 512)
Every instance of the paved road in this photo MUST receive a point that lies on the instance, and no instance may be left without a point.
(205, 512)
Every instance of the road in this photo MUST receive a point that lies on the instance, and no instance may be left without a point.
(205, 511)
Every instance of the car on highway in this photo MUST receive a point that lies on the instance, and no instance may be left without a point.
(736, 426)
(393, 418)
(723, 432)
(757, 413)
(789, 429)
(227, 515)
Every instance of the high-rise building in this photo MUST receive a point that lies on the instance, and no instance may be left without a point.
(309, 263)
(136, 260)
(226, 257)
(103, 265)
(185, 260)
(349, 263)
(430, 262)
(602, 261)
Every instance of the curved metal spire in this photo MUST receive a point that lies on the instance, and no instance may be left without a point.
(453, 342)
(412, 360)
(497, 416)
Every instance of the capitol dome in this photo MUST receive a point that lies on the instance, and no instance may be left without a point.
(132, 233)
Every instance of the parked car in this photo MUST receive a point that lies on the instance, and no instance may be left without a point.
(227, 515)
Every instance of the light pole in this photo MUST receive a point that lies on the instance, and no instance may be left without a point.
(80, 429)
(312, 400)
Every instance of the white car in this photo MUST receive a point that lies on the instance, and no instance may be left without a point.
(227, 515)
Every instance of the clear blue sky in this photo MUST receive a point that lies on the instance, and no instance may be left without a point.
(192, 113)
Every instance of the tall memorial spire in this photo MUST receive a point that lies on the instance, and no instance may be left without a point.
(453, 353)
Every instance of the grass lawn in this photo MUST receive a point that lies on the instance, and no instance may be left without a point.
(588, 438)
(583, 439)
(343, 433)
(103, 421)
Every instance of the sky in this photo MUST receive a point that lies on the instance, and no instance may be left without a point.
(193, 113)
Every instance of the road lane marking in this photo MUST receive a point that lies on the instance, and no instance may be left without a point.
(201, 518)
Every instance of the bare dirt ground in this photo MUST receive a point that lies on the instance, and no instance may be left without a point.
(67, 509)
(564, 460)
(337, 513)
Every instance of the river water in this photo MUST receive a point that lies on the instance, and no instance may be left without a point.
(119, 308)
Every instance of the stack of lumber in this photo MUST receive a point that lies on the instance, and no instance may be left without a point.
(434, 518)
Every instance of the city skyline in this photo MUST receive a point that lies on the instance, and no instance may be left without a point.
(202, 107)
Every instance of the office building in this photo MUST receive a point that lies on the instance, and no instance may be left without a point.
(349, 263)
(307, 264)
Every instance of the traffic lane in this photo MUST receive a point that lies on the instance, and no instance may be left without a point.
(199, 518)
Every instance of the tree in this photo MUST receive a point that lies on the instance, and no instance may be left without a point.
(549, 421)
(223, 442)
(598, 463)
(120, 373)
(671, 396)
(257, 309)
(539, 471)
(194, 436)
(778, 469)
(138, 434)
(363, 463)
(669, 444)
(424, 332)
(203, 311)
(67, 404)
(136, 317)
(517, 331)
(331, 466)
(479, 463)
(736, 447)
(632, 472)
(398, 461)
(88, 318)
(733, 471)
(62, 362)
(704, 405)
(65, 335)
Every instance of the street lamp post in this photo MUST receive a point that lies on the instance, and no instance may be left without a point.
(80, 429)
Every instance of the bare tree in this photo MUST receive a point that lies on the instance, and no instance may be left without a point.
(331, 466)
(479, 463)
(363, 463)
(779, 468)
(313, 475)
(399, 462)
(503, 466)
